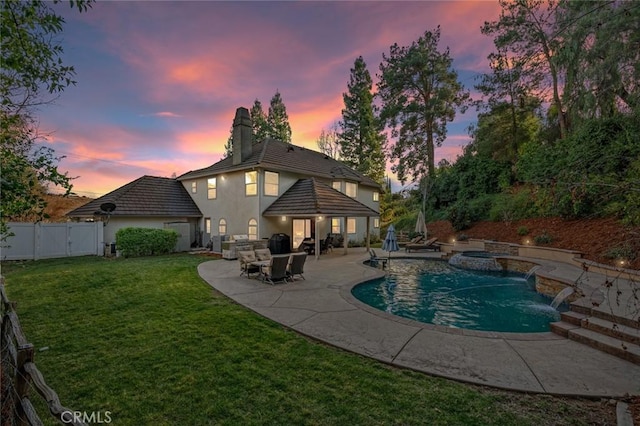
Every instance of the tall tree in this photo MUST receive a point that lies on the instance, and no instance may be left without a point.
(361, 140)
(527, 30)
(420, 92)
(328, 142)
(259, 121)
(278, 120)
(509, 105)
(600, 54)
(32, 73)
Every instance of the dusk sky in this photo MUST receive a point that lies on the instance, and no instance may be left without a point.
(159, 82)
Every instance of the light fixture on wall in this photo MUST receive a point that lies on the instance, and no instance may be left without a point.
(320, 217)
(283, 218)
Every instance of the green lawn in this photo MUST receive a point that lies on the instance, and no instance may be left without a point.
(152, 343)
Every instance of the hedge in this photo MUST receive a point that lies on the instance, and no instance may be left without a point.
(134, 242)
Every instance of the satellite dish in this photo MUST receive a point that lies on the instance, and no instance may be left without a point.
(107, 207)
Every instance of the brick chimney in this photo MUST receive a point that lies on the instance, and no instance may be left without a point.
(242, 136)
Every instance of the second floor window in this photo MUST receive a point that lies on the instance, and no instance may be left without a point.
(351, 189)
(336, 185)
(251, 183)
(376, 196)
(271, 181)
(212, 188)
(194, 187)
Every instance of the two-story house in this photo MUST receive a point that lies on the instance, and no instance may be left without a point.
(272, 187)
(263, 188)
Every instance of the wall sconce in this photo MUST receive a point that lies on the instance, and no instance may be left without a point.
(320, 217)
(283, 219)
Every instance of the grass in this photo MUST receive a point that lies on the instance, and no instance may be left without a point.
(148, 340)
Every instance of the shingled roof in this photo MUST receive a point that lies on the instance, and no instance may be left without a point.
(145, 196)
(309, 197)
(280, 156)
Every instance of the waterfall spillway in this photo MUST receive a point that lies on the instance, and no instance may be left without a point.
(531, 271)
(561, 296)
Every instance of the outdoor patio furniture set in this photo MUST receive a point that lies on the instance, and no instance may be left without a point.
(271, 268)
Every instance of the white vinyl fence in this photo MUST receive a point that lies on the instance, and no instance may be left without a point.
(33, 241)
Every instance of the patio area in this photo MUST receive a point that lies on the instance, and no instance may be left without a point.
(323, 308)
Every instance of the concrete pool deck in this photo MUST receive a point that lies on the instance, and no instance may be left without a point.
(323, 308)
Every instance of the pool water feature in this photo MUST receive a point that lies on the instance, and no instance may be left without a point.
(432, 291)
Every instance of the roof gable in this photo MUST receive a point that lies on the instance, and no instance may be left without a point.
(310, 197)
(145, 196)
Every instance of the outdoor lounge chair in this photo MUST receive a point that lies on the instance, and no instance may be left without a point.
(430, 244)
(276, 270)
(374, 260)
(296, 265)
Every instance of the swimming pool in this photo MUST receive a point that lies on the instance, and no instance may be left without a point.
(432, 291)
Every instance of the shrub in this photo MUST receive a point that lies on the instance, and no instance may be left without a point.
(523, 230)
(624, 251)
(543, 238)
(133, 242)
(513, 206)
(460, 215)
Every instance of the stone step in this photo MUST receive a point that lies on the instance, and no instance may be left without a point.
(573, 317)
(562, 328)
(593, 312)
(625, 350)
(612, 329)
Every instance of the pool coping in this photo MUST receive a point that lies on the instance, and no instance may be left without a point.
(323, 308)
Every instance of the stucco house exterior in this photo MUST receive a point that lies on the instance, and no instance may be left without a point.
(263, 188)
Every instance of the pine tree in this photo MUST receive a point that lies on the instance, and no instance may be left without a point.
(360, 139)
(278, 120)
(259, 120)
(420, 93)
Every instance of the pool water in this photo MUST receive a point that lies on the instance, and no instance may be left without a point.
(432, 291)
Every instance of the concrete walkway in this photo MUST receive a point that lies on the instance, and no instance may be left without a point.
(323, 308)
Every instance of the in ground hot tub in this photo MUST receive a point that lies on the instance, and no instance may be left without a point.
(476, 261)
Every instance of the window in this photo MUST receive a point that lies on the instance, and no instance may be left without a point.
(335, 226)
(376, 222)
(336, 185)
(351, 225)
(376, 196)
(271, 183)
(253, 229)
(222, 227)
(251, 183)
(194, 187)
(212, 191)
(351, 189)
(207, 225)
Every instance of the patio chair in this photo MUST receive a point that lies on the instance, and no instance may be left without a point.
(296, 265)
(263, 254)
(277, 270)
(327, 245)
(430, 244)
(374, 260)
(245, 258)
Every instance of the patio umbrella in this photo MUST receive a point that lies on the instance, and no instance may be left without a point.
(420, 224)
(390, 241)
